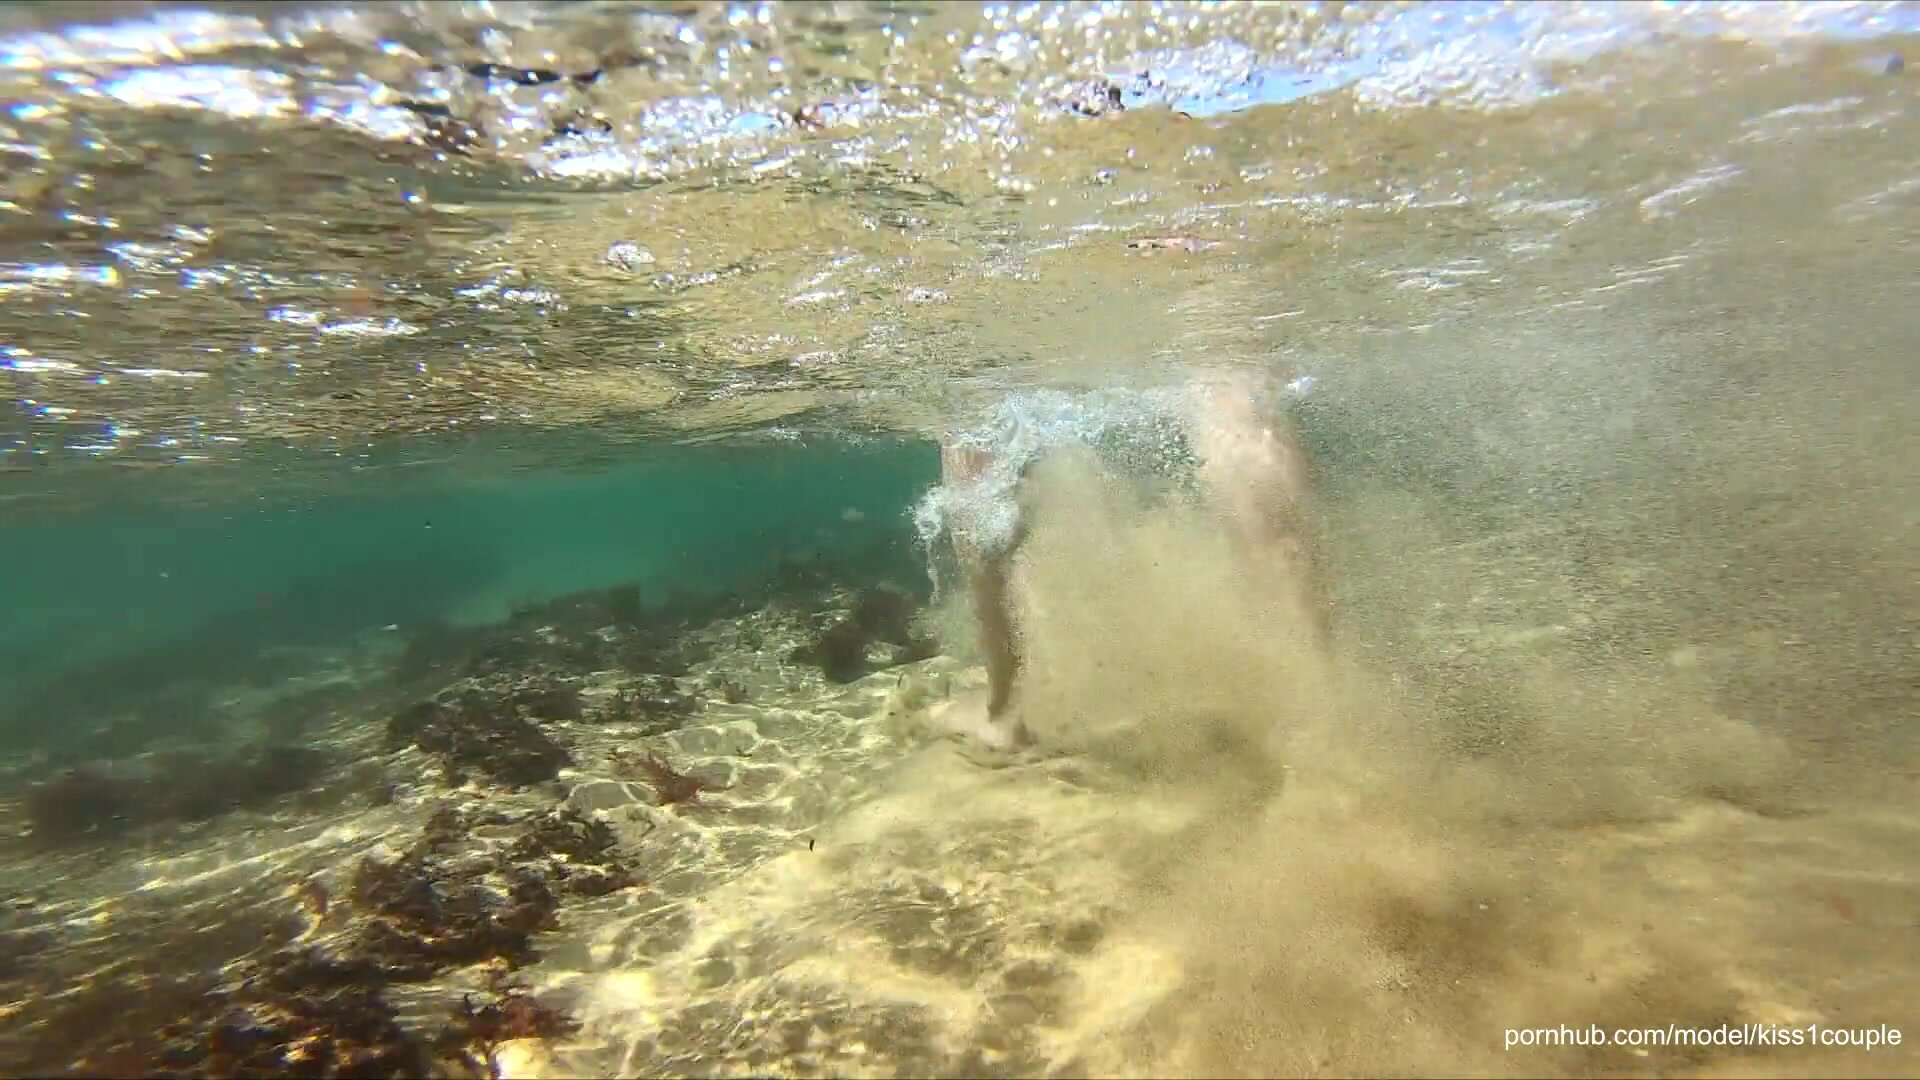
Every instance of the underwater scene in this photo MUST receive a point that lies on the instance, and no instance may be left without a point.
(959, 540)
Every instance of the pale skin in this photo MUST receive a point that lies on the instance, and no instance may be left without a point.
(1254, 475)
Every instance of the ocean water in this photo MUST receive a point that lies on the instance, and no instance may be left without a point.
(116, 605)
(481, 600)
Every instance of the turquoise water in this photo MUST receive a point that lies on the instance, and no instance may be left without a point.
(106, 609)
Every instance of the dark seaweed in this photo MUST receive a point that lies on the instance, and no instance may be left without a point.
(480, 731)
(419, 916)
(508, 1011)
(303, 1015)
(670, 787)
(577, 851)
(655, 702)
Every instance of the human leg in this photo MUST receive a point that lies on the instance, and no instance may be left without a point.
(989, 585)
(1254, 472)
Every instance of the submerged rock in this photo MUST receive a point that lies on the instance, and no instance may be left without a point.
(839, 651)
(480, 732)
(844, 650)
(419, 915)
(572, 635)
(450, 902)
(654, 702)
(195, 788)
(539, 697)
(305, 1015)
(437, 647)
(81, 803)
(103, 800)
(323, 1011)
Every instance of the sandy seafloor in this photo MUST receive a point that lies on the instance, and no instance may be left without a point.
(865, 897)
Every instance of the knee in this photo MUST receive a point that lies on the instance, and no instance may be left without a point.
(1243, 448)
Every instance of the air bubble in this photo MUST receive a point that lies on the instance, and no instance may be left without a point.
(627, 255)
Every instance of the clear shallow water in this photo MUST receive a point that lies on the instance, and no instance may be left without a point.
(1606, 313)
(122, 602)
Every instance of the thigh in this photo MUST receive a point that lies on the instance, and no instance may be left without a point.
(960, 465)
(1254, 473)
(1249, 461)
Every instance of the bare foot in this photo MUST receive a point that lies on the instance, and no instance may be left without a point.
(965, 714)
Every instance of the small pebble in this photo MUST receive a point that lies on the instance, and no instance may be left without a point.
(627, 255)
